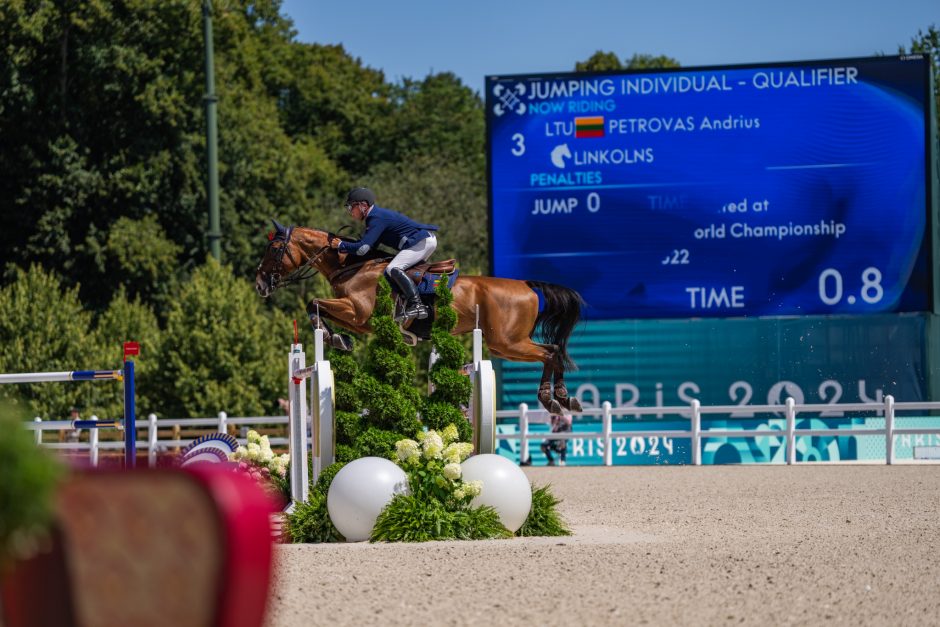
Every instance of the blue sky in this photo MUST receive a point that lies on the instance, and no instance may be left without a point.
(483, 37)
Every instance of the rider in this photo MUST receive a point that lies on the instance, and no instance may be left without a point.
(414, 242)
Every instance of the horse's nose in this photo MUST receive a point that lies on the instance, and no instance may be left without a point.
(261, 286)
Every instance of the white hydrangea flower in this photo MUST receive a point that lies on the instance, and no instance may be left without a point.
(253, 437)
(451, 453)
(254, 451)
(265, 443)
(473, 488)
(433, 445)
(452, 471)
(406, 449)
(449, 434)
(459, 493)
(240, 453)
(267, 455)
(465, 448)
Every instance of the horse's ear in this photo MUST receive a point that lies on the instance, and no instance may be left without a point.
(280, 228)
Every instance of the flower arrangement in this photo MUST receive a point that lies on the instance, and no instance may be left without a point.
(259, 462)
(438, 505)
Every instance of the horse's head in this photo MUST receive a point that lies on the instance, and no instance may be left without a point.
(272, 266)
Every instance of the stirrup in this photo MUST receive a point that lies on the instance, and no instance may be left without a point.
(416, 310)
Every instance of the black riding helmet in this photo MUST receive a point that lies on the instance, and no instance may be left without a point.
(360, 194)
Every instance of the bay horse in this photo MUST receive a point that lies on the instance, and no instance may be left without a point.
(508, 308)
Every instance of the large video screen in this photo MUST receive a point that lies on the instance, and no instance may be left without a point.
(783, 189)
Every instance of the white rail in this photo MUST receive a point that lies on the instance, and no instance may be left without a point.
(695, 433)
(694, 412)
(153, 442)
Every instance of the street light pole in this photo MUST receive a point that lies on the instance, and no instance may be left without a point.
(212, 136)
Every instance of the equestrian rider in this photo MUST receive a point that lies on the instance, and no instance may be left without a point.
(414, 242)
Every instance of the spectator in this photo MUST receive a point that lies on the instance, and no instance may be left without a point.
(561, 423)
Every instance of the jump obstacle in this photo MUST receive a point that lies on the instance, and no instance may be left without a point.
(318, 417)
(129, 423)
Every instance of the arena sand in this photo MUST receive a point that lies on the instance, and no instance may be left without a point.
(715, 545)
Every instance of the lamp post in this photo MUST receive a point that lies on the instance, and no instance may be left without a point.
(212, 136)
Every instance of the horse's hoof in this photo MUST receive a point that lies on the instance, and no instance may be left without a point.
(553, 407)
(341, 342)
(574, 404)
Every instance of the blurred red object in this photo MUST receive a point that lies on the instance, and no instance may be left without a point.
(149, 547)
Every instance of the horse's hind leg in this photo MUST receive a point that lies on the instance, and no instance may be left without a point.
(553, 405)
(571, 403)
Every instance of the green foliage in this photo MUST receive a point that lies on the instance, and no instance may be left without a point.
(928, 43)
(30, 476)
(408, 518)
(146, 260)
(310, 521)
(448, 193)
(326, 477)
(43, 328)
(543, 518)
(374, 442)
(123, 321)
(451, 387)
(438, 504)
(602, 61)
(218, 348)
(348, 425)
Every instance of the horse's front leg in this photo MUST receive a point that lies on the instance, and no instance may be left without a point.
(343, 312)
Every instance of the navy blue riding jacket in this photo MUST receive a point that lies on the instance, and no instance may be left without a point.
(384, 226)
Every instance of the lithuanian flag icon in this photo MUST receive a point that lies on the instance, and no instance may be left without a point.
(589, 127)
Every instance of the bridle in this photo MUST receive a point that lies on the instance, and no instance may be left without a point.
(302, 272)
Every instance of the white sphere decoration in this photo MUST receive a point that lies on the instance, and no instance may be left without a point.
(505, 487)
(360, 491)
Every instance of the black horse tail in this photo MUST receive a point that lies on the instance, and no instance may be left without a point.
(557, 320)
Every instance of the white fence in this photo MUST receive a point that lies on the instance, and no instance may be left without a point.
(695, 433)
(153, 444)
(692, 412)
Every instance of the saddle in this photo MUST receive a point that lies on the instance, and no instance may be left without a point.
(447, 266)
(426, 277)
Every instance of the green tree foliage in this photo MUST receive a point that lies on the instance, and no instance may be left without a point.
(448, 194)
(928, 43)
(602, 61)
(29, 476)
(140, 252)
(130, 320)
(43, 328)
(219, 348)
(442, 118)
(451, 387)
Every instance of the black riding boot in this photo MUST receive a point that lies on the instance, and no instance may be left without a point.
(414, 308)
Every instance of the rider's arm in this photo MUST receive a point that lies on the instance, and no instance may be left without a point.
(367, 243)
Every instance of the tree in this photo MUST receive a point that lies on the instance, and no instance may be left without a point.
(43, 328)
(602, 61)
(442, 118)
(447, 194)
(928, 43)
(220, 349)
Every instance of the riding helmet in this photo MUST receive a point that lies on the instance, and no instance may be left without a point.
(360, 194)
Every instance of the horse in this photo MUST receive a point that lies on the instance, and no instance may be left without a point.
(507, 309)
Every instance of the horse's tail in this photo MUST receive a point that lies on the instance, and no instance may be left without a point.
(556, 321)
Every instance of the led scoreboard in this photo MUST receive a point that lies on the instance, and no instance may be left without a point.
(782, 189)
